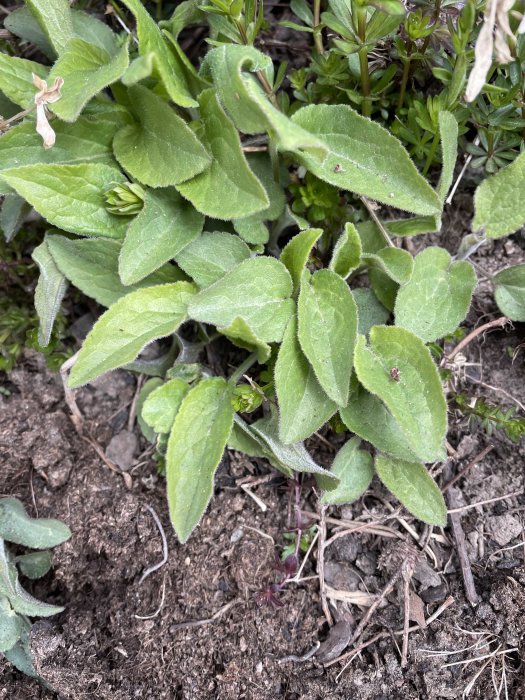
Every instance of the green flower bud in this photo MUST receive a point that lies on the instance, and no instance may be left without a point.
(246, 399)
(125, 200)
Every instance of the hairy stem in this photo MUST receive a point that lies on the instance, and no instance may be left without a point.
(431, 154)
(318, 38)
(243, 368)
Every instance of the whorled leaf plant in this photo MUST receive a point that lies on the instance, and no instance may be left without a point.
(160, 210)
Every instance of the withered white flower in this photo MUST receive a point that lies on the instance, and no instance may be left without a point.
(44, 97)
(493, 36)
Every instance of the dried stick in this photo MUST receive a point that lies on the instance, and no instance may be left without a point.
(496, 323)
(200, 623)
(321, 544)
(459, 537)
(153, 568)
(477, 459)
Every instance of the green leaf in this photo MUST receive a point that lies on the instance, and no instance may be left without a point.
(253, 230)
(19, 599)
(448, 132)
(383, 287)
(499, 201)
(70, 197)
(210, 256)
(165, 226)
(303, 405)
(22, 24)
(36, 564)
(347, 252)
(411, 484)
(297, 251)
(240, 334)
(437, 298)
(49, 293)
(242, 440)
(327, 315)
(195, 447)
(16, 80)
(365, 158)
(510, 291)
(293, 458)
(10, 625)
(396, 263)
(86, 70)
(13, 211)
(257, 291)
(151, 41)
(158, 149)
(370, 311)
(162, 405)
(146, 390)
(246, 103)
(366, 416)
(20, 655)
(87, 141)
(354, 467)
(54, 16)
(91, 264)
(416, 400)
(128, 326)
(139, 69)
(228, 189)
(38, 533)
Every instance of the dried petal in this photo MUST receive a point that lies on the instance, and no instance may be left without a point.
(43, 127)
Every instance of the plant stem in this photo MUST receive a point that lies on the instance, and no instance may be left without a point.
(431, 154)
(318, 37)
(404, 80)
(366, 105)
(20, 115)
(377, 221)
(243, 368)
(274, 158)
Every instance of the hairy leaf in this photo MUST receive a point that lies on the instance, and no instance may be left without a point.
(158, 149)
(165, 226)
(86, 70)
(228, 189)
(257, 291)
(195, 446)
(396, 263)
(499, 201)
(91, 264)
(411, 484)
(347, 252)
(70, 196)
(49, 292)
(416, 398)
(327, 316)
(13, 211)
(16, 79)
(303, 405)
(55, 18)
(370, 311)
(35, 564)
(38, 533)
(437, 298)
(510, 291)
(297, 251)
(10, 625)
(146, 390)
(291, 457)
(365, 158)
(448, 132)
(367, 416)
(168, 67)
(162, 405)
(354, 467)
(210, 256)
(240, 333)
(128, 326)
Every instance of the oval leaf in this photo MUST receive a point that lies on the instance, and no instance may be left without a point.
(411, 484)
(416, 399)
(303, 405)
(161, 406)
(210, 256)
(257, 291)
(510, 292)
(131, 323)
(195, 446)
(38, 533)
(354, 467)
(437, 298)
(296, 252)
(327, 316)
(365, 158)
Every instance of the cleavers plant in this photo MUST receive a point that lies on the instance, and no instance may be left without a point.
(166, 190)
